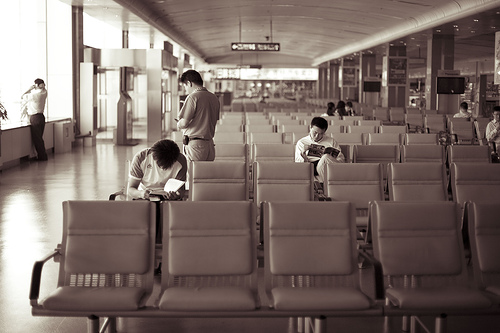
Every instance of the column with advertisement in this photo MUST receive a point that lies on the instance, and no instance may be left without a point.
(395, 88)
(347, 82)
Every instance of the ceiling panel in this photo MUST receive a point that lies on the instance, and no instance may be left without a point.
(310, 32)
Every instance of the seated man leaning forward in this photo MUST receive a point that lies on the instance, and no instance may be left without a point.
(318, 149)
(152, 167)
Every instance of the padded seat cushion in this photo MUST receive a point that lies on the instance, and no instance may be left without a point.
(289, 298)
(94, 299)
(208, 299)
(437, 298)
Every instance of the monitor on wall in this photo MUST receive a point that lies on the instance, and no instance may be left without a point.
(450, 85)
(371, 86)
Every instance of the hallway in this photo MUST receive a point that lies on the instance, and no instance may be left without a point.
(30, 227)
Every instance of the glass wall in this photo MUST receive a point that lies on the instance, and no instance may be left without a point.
(36, 43)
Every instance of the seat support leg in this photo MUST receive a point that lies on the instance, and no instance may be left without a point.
(93, 324)
(320, 324)
(308, 325)
(440, 325)
(300, 324)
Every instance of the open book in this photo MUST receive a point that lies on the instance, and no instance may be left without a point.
(319, 150)
(172, 185)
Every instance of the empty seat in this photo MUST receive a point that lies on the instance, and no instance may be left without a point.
(356, 183)
(393, 129)
(362, 129)
(420, 247)
(484, 235)
(273, 152)
(468, 153)
(384, 138)
(462, 129)
(300, 271)
(397, 114)
(283, 181)
(231, 152)
(434, 123)
(376, 123)
(106, 260)
(260, 128)
(349, 139)
(474, 181)
(230, 137)
(421, 139)
(381, 113)
(414, 122)
(218, 181)
(223, 127)
(209, 254)
(265, 138)
(423, 153)
(417, 182)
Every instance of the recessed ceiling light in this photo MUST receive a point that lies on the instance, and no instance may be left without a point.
(438, 30)
(476, 20)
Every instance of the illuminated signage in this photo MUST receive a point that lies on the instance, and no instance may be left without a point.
(255, 46)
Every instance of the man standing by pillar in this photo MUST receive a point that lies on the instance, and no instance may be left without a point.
(197, 118)
(36, 96)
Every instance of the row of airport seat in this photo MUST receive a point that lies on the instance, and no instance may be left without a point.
(386, 153)
(310, 261)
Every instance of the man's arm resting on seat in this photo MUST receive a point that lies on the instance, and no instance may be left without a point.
(133, 189)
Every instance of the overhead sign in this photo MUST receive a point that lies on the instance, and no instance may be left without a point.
(255, 46)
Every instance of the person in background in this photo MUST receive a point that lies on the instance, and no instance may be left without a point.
(493, 129)
(341, 110)
(197, 118)
(330, 111)
(36, 96)
(152, 167)
(348, 107)
(317, 138)
(463, 111)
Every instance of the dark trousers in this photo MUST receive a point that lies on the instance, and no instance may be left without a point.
(37, 127)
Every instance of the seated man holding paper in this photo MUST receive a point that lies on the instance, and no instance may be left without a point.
(319, 149)
(159, 172)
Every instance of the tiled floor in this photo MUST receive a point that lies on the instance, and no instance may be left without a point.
(30, 227)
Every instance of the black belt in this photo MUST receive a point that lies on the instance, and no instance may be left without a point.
(186, 139)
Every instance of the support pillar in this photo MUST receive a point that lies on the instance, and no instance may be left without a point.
(322, 82)
(333, 83)
(367, 68)
(395, 89)
(77, 50)
(348, 82)
(440, 55)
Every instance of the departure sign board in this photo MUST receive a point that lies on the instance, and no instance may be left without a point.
(255, 46)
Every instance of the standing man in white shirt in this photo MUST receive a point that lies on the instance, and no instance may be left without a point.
(493, 128)
(36, 96)
(197, 118)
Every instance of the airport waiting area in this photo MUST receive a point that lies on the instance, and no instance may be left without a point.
(402, 236)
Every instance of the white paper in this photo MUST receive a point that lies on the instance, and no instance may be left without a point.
(173, 185)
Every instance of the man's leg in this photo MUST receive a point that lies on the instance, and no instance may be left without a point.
(323, 162)
(37, 128)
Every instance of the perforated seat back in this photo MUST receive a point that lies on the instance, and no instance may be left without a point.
(108, 243)
(417, 182)
(218, 181)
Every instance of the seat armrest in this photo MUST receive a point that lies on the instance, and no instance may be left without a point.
(113, 196)
(378, 275)
(36, 276)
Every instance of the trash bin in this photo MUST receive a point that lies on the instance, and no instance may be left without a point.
(63, 136)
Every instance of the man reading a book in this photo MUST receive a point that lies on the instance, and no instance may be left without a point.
(151, 168)
(319, 149)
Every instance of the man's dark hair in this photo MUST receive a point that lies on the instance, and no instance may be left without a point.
(496, 108)
(349, 104)
(39, 81)
(191, 76)
(320, 123)
(464, 105)
(165, 153)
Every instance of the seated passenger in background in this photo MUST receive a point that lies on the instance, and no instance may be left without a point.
(493, 129)
(152, 167)
(319, 149)
(348, 107)
(463, 112)
(341, 111)
(330, 111)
